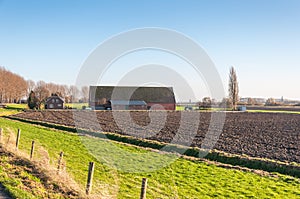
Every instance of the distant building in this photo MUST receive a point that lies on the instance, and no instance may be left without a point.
(54, 102)
(132, 98)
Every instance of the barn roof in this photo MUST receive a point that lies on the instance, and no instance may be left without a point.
(147, 94)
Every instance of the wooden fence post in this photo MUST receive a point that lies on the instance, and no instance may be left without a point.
(90, 178)
(1, 135)
(144, 188)
(32, 150)
(18, 139)
(61, 155)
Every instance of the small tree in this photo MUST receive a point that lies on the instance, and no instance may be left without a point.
(251, 101)
(271, 102)
(206, 103)
(41, 91)
(233, 88)
(33, 102)
(85, 93)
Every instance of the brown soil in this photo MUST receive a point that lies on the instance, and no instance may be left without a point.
(265, 135)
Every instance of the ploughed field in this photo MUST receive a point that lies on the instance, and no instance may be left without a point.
(265, 135)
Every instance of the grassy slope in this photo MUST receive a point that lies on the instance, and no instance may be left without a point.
(181, 179)
(24, 180)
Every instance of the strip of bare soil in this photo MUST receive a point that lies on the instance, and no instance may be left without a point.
(264, 135)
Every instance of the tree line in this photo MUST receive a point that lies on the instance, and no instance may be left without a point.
(14, 88)
(70, 93)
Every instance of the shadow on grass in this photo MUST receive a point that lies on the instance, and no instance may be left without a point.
(14, 108)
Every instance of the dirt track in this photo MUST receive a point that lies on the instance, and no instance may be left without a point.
(265, 135)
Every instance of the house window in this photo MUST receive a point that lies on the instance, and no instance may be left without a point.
(59, 105)
(51, 106)
(57, 100)
(53, 100)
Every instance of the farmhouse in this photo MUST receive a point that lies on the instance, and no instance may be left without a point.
(132, 98)
(54, 102)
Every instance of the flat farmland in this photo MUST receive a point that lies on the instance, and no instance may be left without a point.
(273, 136)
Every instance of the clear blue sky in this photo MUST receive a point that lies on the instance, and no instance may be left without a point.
(260, 38)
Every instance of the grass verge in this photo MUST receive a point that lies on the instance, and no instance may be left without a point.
(23, 179)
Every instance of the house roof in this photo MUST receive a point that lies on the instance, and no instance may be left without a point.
(54, 97)
(130, 103)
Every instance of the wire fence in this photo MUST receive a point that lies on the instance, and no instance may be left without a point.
(37, 154)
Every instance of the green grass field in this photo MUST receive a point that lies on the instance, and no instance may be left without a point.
(272, 111)
(180, 179)
(76, 105)
(12, 109)
(17, 106)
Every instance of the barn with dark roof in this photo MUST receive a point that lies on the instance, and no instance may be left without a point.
(156, 98)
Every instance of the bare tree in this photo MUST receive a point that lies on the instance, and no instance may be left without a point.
(206, 103)
(233, 88)
(251, 101)
(85, 93)
(73, 93)
(12, 86)
(226, 103)
(271, 102)
(61, 91)
(41, 91)
(30, 86)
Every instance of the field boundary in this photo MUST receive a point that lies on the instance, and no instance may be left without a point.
(292, 169)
